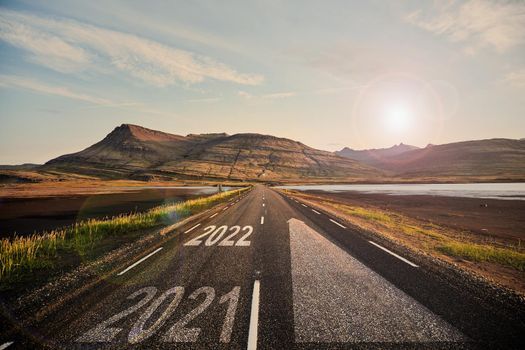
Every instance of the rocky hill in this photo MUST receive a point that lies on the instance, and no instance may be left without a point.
(131, 151)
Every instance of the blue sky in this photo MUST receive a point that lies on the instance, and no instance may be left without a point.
(362, 74)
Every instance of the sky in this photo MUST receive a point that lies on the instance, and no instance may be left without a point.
(362, 74)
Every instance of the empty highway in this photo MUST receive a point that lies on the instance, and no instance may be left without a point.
(265, 271)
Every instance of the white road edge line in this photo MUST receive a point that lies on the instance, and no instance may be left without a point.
(262, 220)
(138, 262)
(214, 215)
(394, 254)
(338, 224)
(315, 211)
(5, 345)
(254, 317)
(191, 229)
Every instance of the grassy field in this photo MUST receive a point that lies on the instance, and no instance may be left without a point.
(19, 255)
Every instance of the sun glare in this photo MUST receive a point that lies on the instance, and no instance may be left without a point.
(397, 118)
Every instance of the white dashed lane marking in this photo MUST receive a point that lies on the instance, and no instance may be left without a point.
(338, 224)
(262, 220)
(394, 254)
(214, 215)
(5, 345)
(315, 211)
(193, 228)
(304, 205)
(138, 262)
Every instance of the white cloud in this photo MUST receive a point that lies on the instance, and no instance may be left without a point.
(18, 82)
(516, 78)
(275, 95)
(39, 87)
(44, 49)
(499, 25)
(67, 46)
(204, 100)
(278, 95)
(245, 94)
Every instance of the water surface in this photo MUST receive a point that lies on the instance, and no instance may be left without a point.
(28, 215)
(505, 191)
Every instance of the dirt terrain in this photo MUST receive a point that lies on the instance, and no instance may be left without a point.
(503, 220)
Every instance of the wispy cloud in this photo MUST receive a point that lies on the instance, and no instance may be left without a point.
(12, 81)
(204, 100)
(271, 96)
(477, 23)
(516, 78)
(18, 82)
(277, 95)
(68, 46)
(245, 94)
(43, 48)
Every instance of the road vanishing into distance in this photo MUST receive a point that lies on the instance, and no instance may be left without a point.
(268, 272)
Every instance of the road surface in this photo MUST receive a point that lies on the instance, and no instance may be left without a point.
(268, 272)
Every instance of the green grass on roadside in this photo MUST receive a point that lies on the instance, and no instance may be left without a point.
(479, 253)
(442, 243)
(25, 253)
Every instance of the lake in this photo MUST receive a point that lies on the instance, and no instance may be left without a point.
(28, 215)
(504, 191)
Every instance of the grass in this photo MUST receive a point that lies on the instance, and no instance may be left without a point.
(22, 254)
(479, 253)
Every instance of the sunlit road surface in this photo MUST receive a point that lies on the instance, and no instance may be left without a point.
(268, 272)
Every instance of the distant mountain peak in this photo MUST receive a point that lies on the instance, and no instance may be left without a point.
(371, 156)
(399, 147)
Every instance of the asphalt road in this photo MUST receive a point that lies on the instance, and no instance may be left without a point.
(267, 272)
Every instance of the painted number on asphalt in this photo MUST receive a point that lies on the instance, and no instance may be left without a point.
(179, 332)
(216, 236)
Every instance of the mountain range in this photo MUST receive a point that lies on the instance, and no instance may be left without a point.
(490, 158)
(376, 155)
(134, 152)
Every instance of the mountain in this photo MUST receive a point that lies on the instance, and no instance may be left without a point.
(25, 166)
(493, 157)
(374, 156)
(132, 151)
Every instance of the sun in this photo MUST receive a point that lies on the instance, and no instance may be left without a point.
(398, 117)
